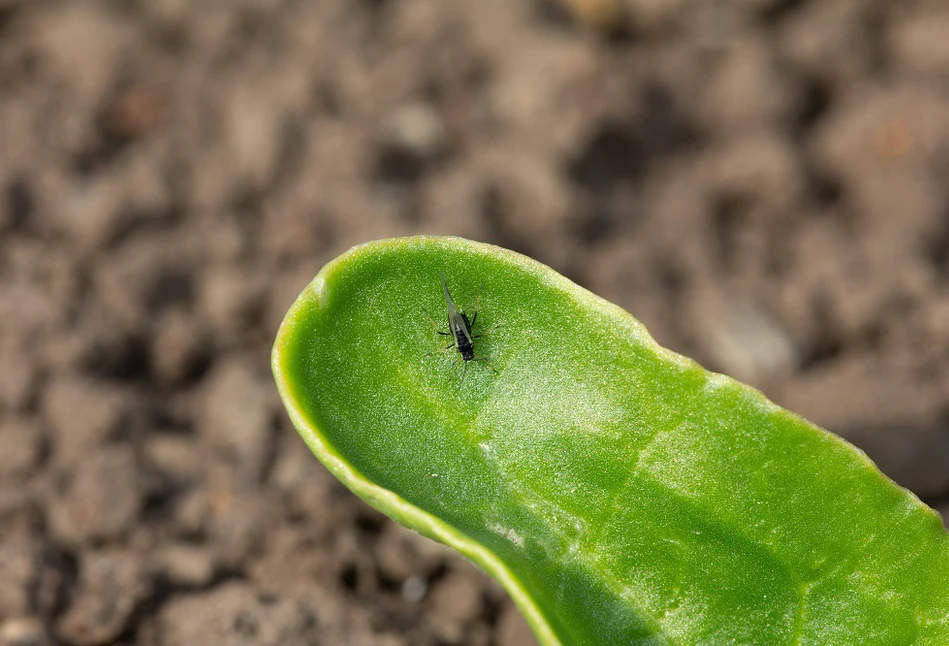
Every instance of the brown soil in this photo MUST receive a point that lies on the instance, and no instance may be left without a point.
(762, 183)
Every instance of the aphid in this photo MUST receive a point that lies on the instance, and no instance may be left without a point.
(459, 328)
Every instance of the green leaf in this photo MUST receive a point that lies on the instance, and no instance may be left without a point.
(621, 493)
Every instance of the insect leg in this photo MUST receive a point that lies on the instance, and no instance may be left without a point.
(434, 324)
(451, 371)
(487, 363)
(445, 349)
(485, 333)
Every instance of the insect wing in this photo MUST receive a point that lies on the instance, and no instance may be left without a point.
(455, 320)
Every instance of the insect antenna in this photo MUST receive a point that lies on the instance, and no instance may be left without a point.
(477, 306)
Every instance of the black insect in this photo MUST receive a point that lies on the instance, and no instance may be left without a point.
(459, 328)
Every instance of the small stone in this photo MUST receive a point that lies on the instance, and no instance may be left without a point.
(456, 602)
(749, 344)
(91, 213)
(111, 585)
(179, 346)
(414, 589)
(100, 499)
(418, 129)
(175, 457)
(186, 565)
(229, 299)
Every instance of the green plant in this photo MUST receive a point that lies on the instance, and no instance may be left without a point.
(621, 493)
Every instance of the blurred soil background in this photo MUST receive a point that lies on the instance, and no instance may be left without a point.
(762, 182)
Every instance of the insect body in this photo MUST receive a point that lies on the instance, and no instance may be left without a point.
(459, 327)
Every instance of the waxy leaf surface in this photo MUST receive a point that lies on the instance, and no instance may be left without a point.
(620, 492)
